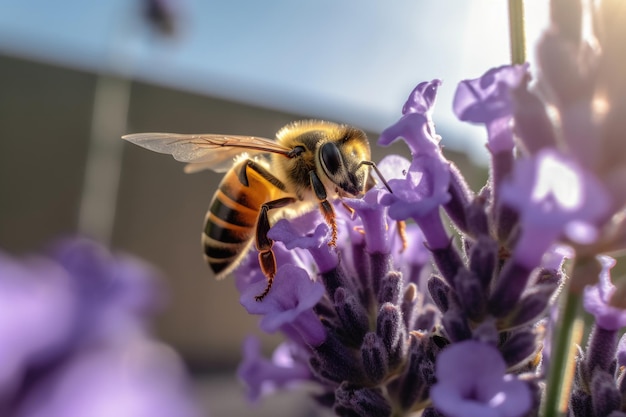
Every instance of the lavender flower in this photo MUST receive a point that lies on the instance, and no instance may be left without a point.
(392, 328)
(76, 318)
(371, 335)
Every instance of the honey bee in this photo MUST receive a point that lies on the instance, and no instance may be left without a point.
(309, 163)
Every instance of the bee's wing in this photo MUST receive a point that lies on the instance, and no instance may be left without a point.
(205, 151)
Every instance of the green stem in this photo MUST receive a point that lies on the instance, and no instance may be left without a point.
(517, 34)
(568, 329)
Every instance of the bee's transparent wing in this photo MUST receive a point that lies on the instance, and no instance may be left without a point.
(205, 151)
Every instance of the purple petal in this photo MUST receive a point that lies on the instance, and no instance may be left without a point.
(289, 303)
(597, 299)
(554, 197)
(423, 191)
(422, 98)
(488, 100)
(374, 219)
(262, 376)
(478, 387)
(416, 130)
(315, 242)
(416, 126)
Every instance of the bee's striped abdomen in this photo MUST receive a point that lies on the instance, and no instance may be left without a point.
(231, 220)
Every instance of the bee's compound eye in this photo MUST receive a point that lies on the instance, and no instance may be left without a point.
(331, 158)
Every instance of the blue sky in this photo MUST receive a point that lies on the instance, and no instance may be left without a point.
(352, 61)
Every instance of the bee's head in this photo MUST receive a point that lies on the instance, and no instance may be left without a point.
(340, 159)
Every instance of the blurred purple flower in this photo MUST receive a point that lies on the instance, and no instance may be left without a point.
(479, 387)
(554, 198)
(139, 377)
(262, 376)
(77, 337)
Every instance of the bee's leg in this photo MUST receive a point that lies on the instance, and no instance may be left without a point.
(264, 244)
(401, 225)
(325, 207)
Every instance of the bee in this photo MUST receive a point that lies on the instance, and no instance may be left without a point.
(309, 163)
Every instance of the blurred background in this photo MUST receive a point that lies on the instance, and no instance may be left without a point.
(75, 76)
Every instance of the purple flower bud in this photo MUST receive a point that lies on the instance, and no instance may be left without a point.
(605, 397)
(335, 362)
(600, 352)
(390, 328)
(580, 404)
(409, 305)
(482, 259)
(448, 261)
(478, 387)
(391, 285)
(519, 347)
(532, 306)
(352, 314)
(427, 318)
(381, 265)
(509, 288)
(375, 358)
(353, 401)
(533, 126)
(471, 295)
(456, 325)
(440, 293)
(417, 378)
(335, 279)
(476, 214)
(461, 198)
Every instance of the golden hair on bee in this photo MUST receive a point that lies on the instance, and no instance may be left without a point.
(309, 163)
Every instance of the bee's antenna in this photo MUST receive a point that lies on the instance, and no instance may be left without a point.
(380, 175)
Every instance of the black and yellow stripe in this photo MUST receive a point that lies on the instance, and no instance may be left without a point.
(232, 217)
